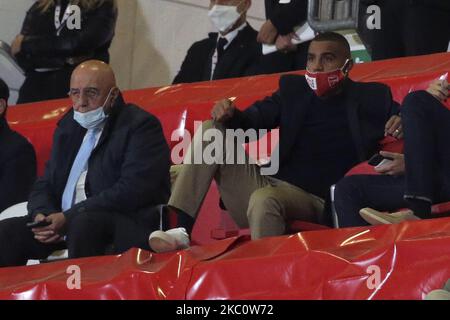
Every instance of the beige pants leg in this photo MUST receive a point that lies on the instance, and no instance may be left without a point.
(236, 182)
(271, 206)
(254, 201)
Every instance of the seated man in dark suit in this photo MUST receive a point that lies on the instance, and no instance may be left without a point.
(328, 123)
(231, 53)
(108, 169)
(413, 180)
(17, 160)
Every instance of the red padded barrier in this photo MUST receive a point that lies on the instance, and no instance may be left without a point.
(412, 259)
(37, 121)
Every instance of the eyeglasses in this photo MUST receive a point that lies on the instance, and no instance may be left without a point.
(90, 93)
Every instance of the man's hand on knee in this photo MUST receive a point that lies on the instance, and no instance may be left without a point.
(223, 110)
(439, 89)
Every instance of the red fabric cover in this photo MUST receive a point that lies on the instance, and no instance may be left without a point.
(412, 258)
(191, 102)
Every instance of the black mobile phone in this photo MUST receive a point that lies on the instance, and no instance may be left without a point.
(38, 224)
(376, 159)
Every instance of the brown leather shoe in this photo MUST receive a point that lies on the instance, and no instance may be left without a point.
(375, 217)
(438, 295)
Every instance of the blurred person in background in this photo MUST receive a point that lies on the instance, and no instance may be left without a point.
(55, 38)
(282, 19)
(406, 27)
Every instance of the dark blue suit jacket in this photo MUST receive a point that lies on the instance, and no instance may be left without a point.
(17, 167)
(243, 57)
(369, 107)
(128, 170)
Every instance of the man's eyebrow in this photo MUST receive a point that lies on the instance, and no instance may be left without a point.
(87, 88)
(329, 53)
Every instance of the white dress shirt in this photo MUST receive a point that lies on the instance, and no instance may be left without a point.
(80, 192)
(230, 36)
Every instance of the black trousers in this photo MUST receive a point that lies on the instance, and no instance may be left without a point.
(41, 86)
(408, 28)
(89, 234)
(427, 160)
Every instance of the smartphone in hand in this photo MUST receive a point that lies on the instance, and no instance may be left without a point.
(379, 160)
(38, 224)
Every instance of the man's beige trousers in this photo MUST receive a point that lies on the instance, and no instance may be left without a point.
(259, 202)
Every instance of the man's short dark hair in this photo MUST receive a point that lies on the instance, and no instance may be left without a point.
(4, 90)
(335, 37)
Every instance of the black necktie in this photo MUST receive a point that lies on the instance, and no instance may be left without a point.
(221, 47)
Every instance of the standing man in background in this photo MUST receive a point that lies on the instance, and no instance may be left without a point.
(49, 48)
(282, 18)
(406, 27)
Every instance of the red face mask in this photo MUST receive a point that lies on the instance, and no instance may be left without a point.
(324, 82)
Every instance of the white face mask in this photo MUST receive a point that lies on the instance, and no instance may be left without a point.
(92, 119)
(224, 17)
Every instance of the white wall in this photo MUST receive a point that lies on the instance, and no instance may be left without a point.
(152, 36)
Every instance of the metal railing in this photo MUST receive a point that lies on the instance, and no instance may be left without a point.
(10, 72)
(331, 15)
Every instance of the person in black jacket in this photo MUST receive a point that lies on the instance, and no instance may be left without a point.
(406, 27)
(54, 40)
(17, 160)
(327, 123)
(231, 53)
(109, 168)
(413, 180)
(282, 18)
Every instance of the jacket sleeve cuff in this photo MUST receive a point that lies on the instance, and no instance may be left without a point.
(279, 24)
(236, 121)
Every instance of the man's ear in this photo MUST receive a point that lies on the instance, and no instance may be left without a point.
(351, 63)
(114, 93)
(2, 107)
